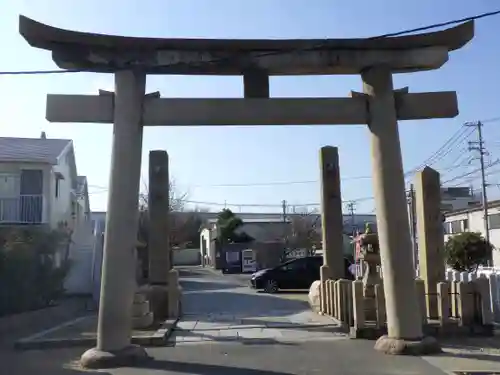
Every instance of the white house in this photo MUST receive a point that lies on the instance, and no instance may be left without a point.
(39, 185)
(471, 219)
(98, 220)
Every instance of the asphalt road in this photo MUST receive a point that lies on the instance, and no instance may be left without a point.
(230, 329)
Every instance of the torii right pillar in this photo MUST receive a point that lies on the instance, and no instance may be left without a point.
(404, 324)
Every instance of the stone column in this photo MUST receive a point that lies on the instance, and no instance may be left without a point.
(158, 202)
(118, 283)
(332, 222)
(159, 251)
(430, 235)
(404, 324)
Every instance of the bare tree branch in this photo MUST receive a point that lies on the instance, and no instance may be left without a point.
(302, 234)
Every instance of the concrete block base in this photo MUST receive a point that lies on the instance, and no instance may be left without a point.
(98, 359)
(158, 300)
(143, 321)
(395, 346)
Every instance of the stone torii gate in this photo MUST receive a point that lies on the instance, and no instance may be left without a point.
(129, 109)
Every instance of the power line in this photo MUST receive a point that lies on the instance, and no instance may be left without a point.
(445, 149)
(319, 46)
(103, 189)
(277, 183)
(313, 204)
(477, 170)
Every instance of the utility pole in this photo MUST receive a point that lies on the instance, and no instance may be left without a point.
(286, 251)
(479, 146)
(351, 207)
(413, 224)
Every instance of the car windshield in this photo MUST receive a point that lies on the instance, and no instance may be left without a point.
(293, 265)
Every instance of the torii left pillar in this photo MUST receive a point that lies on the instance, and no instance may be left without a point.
(114, 328)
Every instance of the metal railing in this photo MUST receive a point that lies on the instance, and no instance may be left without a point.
(23, 209)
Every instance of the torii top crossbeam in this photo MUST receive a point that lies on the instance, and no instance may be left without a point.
(105, 53)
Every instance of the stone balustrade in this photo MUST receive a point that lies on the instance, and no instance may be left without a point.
(463, 307)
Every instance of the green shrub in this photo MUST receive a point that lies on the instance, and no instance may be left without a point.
(466, 251)
(29, 276)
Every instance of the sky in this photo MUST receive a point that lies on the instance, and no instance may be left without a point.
(205, 161)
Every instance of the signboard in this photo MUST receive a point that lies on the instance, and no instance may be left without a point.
(248, 263)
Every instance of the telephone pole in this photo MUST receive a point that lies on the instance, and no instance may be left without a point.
(413, 224)
(479, 147)
(351, 207)
(283, 205)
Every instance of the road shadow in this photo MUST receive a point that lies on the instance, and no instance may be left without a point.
(204, 369)
(241, 304)
(190, 285)
(213, 337)
(53, 362)
(480, 348)
(285, 292)
(195, 271)
(225, 308)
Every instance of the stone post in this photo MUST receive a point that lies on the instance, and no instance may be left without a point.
(118, 274)
(159, 241)
(443, 290)
(158, 202)
(404, 324)
(331, 214)
(430, 235)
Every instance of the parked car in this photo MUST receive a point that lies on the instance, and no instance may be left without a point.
(295, 274)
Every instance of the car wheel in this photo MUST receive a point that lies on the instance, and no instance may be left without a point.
(271, 286)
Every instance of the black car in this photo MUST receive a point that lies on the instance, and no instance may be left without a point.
(295, 274)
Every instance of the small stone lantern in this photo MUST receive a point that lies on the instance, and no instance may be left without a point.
(370, 256)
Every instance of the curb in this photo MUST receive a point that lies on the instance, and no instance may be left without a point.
(158, 338)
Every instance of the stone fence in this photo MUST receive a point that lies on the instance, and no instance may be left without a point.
(493, 276)
(463, 306)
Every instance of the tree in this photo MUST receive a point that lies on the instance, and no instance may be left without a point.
(176, 204)
(175, 227)
(466, 251)
(228, 224)
(302, 234)
(187, 227)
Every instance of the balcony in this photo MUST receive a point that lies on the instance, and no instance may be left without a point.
(23, 209)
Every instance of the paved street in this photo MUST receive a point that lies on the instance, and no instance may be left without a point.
(220, 308)
(229, 329)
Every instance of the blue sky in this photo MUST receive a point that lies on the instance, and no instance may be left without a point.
(205, 156)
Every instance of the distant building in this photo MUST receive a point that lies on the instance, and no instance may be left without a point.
(471, 219)
(458, 198)
(272, 228)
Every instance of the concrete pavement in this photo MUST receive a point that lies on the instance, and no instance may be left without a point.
(229, 329)
(221, 308)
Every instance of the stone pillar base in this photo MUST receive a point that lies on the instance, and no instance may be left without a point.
(425, 346)
(142, 317)
(99, 359)
(174, 295)
(158, 300)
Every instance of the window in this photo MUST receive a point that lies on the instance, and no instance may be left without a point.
(58, 181)
(456, 226)
(295, 265)
(446, 228)
(465, 225)
(9, 185)
(494, 221)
